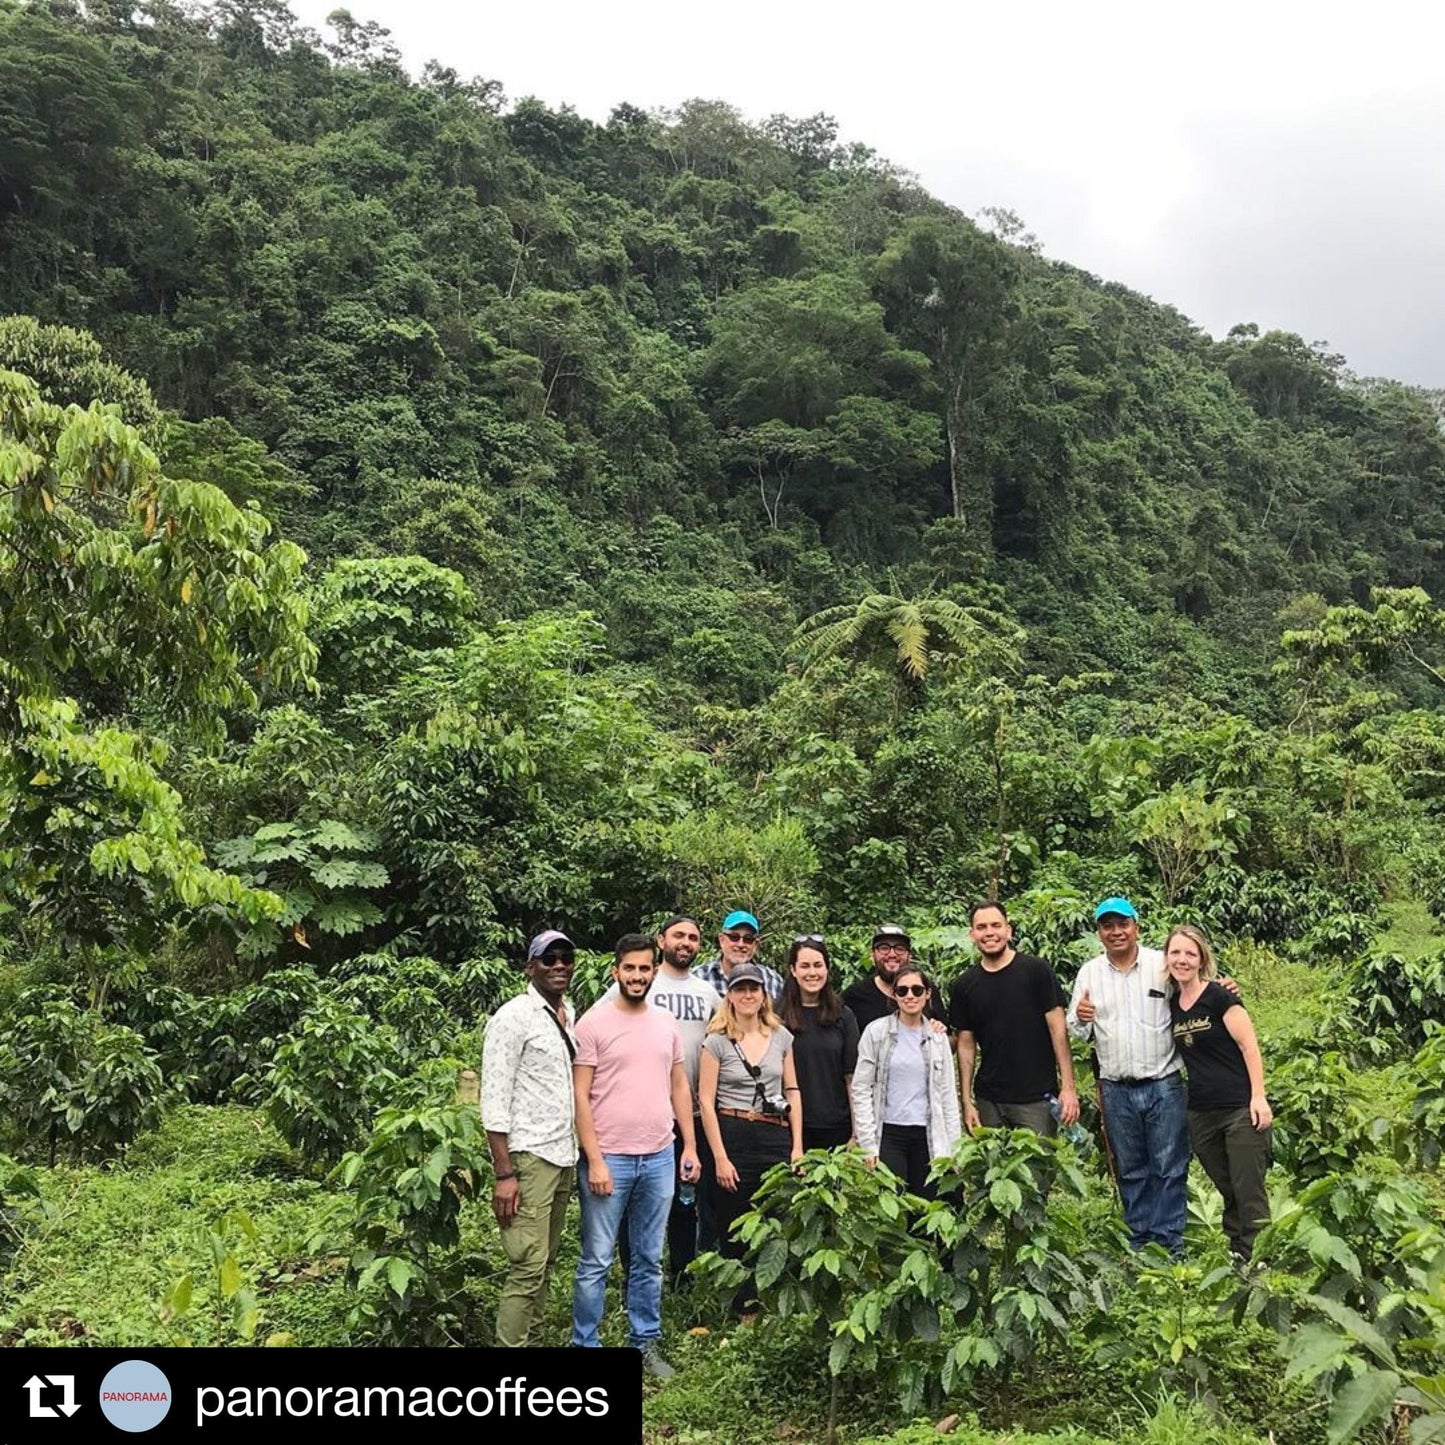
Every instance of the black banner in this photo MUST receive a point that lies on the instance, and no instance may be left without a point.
(277, 1396)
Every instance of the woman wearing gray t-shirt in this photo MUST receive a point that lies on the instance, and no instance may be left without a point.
(747, 1092)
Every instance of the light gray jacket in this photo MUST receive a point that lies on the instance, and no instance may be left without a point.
(870, 1087)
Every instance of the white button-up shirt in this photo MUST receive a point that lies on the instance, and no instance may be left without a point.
(527, 1079)
(1131, 1031)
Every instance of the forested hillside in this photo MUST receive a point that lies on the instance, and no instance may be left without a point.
(426, 517)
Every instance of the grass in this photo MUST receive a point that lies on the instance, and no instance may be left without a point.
(109, 1243)
(1286, 997)
(1172, 1421)
(1410, 930)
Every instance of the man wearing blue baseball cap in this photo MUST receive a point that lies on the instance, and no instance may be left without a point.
(738, 943)
(1121, 1002)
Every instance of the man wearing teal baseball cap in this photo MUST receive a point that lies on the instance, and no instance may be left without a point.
(1121, 1003)
(738, 943)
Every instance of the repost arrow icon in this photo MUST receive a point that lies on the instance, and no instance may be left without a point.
(38, 1411)
(68, 1406)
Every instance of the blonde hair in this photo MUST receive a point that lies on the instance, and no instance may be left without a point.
(1197, 937)
(725, 1020)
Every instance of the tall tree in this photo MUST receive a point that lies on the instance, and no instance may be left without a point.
(949, 292)
(124, 594)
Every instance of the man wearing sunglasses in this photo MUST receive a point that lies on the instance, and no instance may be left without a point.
(527, 1111)
(738, 943)
(871, 997)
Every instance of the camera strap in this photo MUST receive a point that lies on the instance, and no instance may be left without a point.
(754, 1071)
(561, 1029)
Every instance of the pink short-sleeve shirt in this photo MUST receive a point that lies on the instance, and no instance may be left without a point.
(632, 1054)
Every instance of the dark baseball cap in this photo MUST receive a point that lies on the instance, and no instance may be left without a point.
(747, 973)
(549, 938)
(891, 930)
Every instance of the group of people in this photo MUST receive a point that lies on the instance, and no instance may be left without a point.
(669, 1100)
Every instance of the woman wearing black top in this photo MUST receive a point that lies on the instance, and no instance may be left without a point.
(1229, 1116)
(825, 1043)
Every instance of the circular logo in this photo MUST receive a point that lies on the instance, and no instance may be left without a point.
(135, 1396)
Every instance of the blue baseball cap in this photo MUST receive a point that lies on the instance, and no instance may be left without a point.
(740, 916)
(1121, 906)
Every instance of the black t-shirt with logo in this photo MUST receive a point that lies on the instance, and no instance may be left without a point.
(1215, 1067)
(1004, 1011)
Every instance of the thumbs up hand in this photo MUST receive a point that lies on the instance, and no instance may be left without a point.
(1085, 1010)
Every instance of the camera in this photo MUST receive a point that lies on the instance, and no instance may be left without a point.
(776, 1106)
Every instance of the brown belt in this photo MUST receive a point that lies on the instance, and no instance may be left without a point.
(753, 1117)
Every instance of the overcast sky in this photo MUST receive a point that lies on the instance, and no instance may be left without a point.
(1272, 161)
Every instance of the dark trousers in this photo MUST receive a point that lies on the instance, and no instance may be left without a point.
(752, 1149)
(826, 1136)
(1036, 1116)
(682, 1219)
(1235, 1155)
(904, 1149)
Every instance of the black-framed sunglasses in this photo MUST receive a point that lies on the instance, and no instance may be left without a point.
(813, 938)
(911, 990)
(734, 935)
(551, 960)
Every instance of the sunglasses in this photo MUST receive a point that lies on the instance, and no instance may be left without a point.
(551, 960)
(910, 990)
(734, 935)
(814, 938)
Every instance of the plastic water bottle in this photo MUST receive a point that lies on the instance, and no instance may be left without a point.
(1075, 1133)
(687, 1194)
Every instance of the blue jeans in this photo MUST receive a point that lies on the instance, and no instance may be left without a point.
(1148, 1128)
(641, 1197)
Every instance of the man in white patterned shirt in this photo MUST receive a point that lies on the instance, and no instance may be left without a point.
(527, 1111)
(1121, 1002)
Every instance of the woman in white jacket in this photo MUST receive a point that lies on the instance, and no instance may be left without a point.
(905, 1088)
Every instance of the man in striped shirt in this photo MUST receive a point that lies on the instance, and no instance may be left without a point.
(1121, 1002)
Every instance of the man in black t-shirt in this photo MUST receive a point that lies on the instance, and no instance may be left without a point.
(1009, 1004)
(871, 997)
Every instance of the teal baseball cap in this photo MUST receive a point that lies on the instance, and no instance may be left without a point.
(740, 916)
(1121, 906)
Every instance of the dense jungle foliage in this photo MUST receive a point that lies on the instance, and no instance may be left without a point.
(427, 516)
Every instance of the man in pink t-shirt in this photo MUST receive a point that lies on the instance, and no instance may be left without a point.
(630, 1087)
